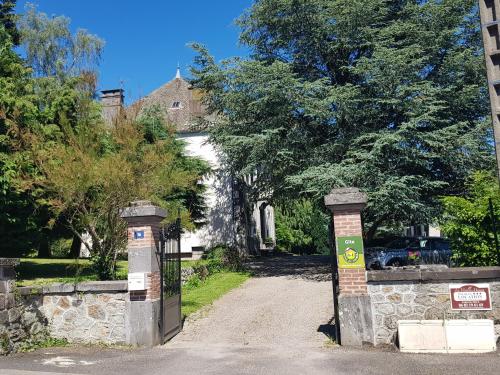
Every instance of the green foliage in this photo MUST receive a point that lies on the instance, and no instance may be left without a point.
(4, 343)
(44, 106)
(40, 343)
(61, 248)
(201, 270)
(64, 171)
(8, 19)
(388, 96)
(220, 271)
(194, 281)
(190, 197)
(468, 223)
(89, 182)
(220, 258)
(52, 50)
(19, 228)
(155, 129)
(301, 227)
(223, 258)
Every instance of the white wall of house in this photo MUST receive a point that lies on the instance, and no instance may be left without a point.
(220, 227)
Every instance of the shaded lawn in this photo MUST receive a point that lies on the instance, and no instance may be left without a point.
(215, 286)
(39, 271)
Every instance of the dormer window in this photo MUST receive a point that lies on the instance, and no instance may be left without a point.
(176, 105)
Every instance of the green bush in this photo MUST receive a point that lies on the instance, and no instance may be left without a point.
(223, 258)
(193, 282)
(61, 248)
(301, 227)
(220, 258)
(201, 271)
(46, 342)
(468, 224)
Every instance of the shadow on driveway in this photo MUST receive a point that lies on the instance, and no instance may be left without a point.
(307, 267)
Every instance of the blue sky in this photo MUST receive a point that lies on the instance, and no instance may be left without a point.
(146, 39)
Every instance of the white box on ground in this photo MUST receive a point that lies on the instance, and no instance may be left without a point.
(421, 335)
(476, 335)
(137, 281)
(447, 336)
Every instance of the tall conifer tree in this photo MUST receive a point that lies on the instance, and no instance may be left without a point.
(389, 96)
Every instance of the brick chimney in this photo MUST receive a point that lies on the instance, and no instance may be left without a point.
(112, 103)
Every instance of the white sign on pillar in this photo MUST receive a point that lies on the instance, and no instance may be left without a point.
(136, 281)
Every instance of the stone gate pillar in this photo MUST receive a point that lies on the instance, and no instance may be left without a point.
(143, 305)
(354, 306)
(7, 284)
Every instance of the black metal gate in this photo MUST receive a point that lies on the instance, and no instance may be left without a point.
(335, 281)
(170, 280)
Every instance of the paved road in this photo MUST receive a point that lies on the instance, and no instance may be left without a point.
(276, 323)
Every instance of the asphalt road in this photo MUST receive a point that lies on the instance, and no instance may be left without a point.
(276, 323)
(243, 360)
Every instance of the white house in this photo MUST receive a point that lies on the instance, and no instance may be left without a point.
(231, 218)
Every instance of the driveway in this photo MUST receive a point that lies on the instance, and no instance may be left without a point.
(284, 307)
(276, 323)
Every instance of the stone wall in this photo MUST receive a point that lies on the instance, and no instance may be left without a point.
(424, 295)
(91, 312)
(18, 324)
(21, 323)
(86, 312)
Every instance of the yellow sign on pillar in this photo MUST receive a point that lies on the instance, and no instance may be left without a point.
(350, 252)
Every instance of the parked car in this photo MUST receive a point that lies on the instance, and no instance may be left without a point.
(409, 250)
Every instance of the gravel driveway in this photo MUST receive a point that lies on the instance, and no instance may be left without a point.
(288, 305)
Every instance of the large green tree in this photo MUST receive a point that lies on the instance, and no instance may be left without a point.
(63, 171)
(92, 171)
(389, 96)
(43, 92)
(19, 228)
(52, 50)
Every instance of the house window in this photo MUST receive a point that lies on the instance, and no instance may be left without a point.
(176, 104)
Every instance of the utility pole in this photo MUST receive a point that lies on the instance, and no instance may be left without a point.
(490, 29)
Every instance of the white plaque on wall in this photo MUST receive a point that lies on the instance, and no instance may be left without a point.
(137, 281)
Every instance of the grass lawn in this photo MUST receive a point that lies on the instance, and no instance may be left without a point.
(215, 286)
(37, 271)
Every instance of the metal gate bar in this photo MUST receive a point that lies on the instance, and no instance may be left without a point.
(335, 281)
(170, 280)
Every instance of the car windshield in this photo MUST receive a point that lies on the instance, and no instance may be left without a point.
(398, 243)
(418, 244)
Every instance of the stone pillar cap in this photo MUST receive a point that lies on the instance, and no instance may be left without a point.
(9, 262)
(142, 209)
(345, 197)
